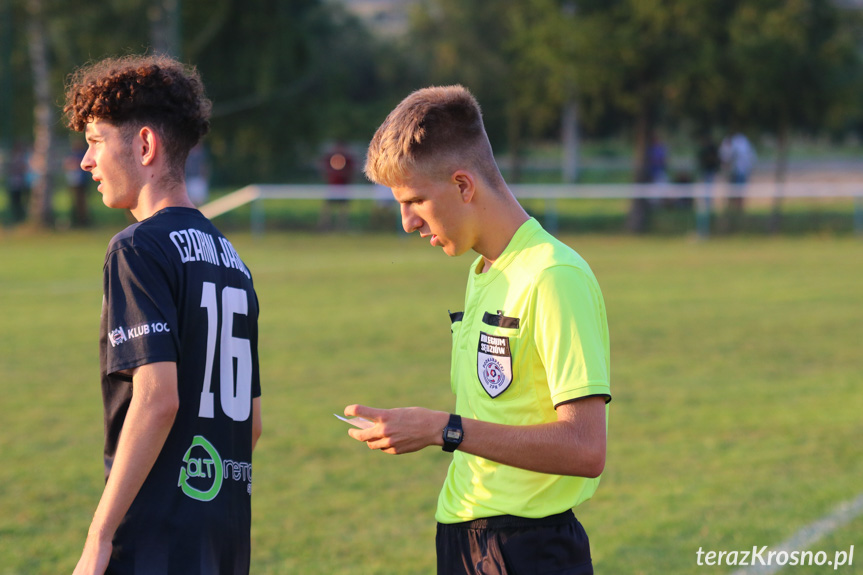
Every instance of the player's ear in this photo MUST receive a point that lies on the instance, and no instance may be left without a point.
(147, 144)
(466, 184)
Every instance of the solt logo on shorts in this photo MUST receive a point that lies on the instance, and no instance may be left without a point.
(494, 363)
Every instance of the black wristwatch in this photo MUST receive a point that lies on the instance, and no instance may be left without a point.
(453, 434)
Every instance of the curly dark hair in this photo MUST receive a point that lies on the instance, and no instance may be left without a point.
(134, 91)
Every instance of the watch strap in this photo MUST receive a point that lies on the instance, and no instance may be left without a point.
(453, 433)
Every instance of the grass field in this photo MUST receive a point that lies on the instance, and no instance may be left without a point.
(736, 372)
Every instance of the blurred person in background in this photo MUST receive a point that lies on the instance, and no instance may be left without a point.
(738, 158)
(18, 181)
(657, 160)
(78, 181)
(338, 165)
(709, 164)
(198, 175)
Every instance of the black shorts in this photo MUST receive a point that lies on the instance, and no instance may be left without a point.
(509, 545)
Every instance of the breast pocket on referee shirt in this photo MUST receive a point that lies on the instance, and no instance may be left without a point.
(497, 345)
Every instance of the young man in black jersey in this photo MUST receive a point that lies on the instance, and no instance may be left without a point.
(178, 337)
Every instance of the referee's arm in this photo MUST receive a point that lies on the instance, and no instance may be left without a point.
(575, 444)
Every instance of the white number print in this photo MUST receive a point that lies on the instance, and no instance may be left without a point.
(236, 396)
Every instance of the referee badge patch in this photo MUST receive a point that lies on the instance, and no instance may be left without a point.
(494, 363)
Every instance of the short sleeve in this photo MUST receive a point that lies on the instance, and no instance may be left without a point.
(140, 313)
(572, 334)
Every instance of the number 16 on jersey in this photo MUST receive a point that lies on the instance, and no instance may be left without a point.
(236, 400)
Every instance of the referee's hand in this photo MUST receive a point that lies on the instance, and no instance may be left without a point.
(400, 430)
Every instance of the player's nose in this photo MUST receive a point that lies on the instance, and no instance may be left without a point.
(87, 162)
(410, 221)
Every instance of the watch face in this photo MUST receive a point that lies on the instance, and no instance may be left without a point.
(453, 434)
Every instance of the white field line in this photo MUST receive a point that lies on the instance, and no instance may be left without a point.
(810, 534)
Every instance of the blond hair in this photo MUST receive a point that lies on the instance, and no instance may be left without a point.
(434, 131)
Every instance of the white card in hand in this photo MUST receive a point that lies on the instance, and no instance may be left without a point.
(357, 421)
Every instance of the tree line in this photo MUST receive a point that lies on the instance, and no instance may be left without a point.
(286, 76)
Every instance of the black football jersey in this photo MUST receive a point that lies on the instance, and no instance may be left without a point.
(175, 290)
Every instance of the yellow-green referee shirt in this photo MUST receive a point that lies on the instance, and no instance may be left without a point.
(533, 335)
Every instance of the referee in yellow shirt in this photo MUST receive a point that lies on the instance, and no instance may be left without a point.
(530, 352)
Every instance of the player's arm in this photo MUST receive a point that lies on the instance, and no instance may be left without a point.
(572, 445)
(151, 414)
(257, 423)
